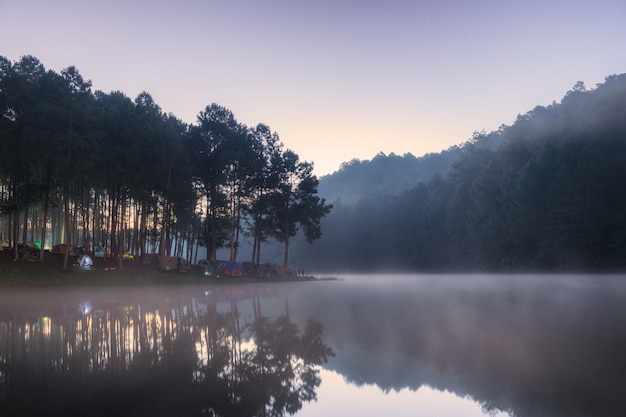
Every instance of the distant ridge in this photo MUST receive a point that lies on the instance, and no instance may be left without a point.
(384, 175)
(543, 194)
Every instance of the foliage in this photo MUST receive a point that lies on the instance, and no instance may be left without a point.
(99, 169)
(546, 193)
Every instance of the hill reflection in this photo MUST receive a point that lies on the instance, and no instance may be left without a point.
(528, 345)
(150, 352)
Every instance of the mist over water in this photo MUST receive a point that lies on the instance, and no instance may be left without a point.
(523, 345)
(527, 344)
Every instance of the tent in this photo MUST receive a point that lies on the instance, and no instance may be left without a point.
(266, 270)
(168, 263)
(183, 263)
(205, 264)
(235, 269)
(85, 261)
(221, 266)
(98, 252)
(60, 248)
(174, 262)
(31, 251)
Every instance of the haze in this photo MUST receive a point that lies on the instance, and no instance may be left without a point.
(336, 80)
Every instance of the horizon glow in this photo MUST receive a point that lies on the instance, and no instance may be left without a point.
(335, 80)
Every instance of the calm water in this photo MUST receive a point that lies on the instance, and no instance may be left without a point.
(410, 345)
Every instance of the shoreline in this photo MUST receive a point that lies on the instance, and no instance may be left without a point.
(49, 273)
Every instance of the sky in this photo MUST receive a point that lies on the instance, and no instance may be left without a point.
(335, 79)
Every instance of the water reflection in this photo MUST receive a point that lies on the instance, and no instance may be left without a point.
(526, 345)
(154, 352)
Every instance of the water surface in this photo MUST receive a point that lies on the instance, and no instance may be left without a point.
(447, 345)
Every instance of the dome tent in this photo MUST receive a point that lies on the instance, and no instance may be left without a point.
(85, 261)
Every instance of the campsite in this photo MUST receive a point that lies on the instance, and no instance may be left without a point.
(88, 268)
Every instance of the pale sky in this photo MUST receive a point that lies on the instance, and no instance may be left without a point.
(338, 79)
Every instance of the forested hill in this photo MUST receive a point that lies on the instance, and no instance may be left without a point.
(546, 193)
(384, 175)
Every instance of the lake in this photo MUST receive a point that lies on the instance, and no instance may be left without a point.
(366, 345)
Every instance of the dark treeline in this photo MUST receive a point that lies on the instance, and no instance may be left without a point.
(546, 193)
(99, 169)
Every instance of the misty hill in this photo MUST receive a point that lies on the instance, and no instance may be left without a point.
(546, 193)
(383, 175)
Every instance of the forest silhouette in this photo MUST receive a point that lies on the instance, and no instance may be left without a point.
(546, 193)
(91, 169)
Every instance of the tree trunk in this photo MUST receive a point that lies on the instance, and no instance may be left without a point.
(66, 226)
(286, 261)
(255, 239)
(141, 230)
(122, 232)
(113, 229)
(95, 233)
(25, 228)
(16, 231)
(44, 224)
(213, 238)
(233, 251)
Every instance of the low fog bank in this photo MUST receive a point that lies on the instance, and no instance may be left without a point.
(532, 344)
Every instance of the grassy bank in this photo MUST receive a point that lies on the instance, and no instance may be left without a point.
(49, 272)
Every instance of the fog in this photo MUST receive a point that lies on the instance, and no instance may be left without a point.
(533, 344)
(530, 345)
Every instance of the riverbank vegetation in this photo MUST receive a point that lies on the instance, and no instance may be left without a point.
(89, 169)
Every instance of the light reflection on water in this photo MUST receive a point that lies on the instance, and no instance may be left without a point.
(403, 345)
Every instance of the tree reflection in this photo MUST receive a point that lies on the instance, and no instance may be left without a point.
(182, 357)
(527, 345)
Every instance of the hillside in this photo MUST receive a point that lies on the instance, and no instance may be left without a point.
(544, 194)
(383, 175)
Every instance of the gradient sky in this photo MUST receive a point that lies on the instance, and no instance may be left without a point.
(338, 79)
